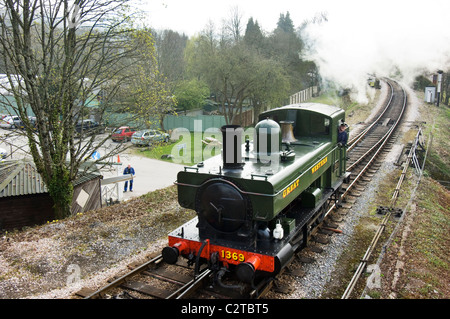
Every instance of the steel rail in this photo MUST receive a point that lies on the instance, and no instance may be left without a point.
(377, 148)
(395, 196)
(380, 230)
(190, 286)
(354, 141)
(342, 196)
(367, 130)
(120, 280)
(383, 140)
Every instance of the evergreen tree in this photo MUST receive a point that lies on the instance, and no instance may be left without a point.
(285, 24)
(287, 46)
(253, 34)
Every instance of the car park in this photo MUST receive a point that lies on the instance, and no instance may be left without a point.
(122, 134)
(147, 137)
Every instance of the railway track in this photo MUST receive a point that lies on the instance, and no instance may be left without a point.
(365, 153)
(156, 280)
(152, 280)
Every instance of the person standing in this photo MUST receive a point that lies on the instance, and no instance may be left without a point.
(342, 135)
(128, 170)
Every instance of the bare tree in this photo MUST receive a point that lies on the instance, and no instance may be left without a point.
(170, 54)
(61, 57)
(233, 25)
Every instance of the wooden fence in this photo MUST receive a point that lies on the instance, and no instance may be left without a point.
(303, 95)
(172, 122)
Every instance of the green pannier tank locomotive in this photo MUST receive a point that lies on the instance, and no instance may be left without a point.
(259, 200)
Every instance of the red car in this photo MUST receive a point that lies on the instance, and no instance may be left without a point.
(123, 133)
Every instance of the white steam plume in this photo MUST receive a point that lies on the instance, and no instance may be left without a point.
(388, 38)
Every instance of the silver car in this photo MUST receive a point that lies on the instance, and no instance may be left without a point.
(147, 137)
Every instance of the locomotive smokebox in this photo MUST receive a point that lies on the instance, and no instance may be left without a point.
(232, 149)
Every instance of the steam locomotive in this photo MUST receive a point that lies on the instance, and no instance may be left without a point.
(259, 200)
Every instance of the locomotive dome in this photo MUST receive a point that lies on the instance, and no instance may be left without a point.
(268, 136)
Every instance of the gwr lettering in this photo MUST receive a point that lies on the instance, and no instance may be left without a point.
(319, 165)
(290, 188)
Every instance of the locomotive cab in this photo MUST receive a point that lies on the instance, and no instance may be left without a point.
(311, 125)
(308, 122)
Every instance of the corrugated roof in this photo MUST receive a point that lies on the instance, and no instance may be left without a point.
(20, 178)
(87, 172)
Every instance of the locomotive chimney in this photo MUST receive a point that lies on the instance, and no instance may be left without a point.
(232, 150)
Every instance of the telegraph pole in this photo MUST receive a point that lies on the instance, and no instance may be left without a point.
(439, 86)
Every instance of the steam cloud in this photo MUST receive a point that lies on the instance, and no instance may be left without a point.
(400, 39)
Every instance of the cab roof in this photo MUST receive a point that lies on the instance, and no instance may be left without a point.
(325, 109)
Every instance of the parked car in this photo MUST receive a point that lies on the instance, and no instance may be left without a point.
(123, 133)
(8, 121)
(18, 123)
(3, 153)
(147, 137)
(89, 127)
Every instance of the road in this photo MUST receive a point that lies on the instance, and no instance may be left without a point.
(151, 174)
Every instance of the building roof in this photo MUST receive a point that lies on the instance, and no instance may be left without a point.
(20, 177)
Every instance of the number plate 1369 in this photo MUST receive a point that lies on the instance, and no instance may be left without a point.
(226, 254)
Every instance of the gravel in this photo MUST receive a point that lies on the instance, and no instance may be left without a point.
(319, 273)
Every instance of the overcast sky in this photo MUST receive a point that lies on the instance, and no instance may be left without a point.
(360, 36)
(191, 16)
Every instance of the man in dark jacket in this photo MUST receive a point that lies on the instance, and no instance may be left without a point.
(128, 170)
(342, 135)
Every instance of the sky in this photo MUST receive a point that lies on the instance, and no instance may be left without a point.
(360, 36)
(191, 16)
